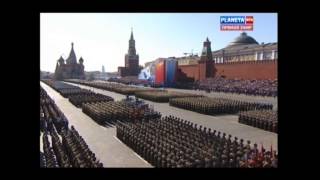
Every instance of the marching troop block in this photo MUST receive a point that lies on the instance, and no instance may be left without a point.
(76, 95)
(67, 148)
(171, 142)
(59, 85)
(163, 95)
(50, 114)
(110, 112)
(129, 80)
(78, 100)
(151, 94)
(43, 162)
(50, 158)
(263, 119)
(216, 106)
(114, 87)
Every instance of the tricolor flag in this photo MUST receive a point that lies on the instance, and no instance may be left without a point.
(249, 19)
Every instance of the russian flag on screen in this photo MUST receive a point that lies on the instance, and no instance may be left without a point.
(249, 19)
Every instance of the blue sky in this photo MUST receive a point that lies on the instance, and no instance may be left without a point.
(102, 38)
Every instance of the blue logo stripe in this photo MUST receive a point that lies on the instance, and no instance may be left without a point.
(232, 19)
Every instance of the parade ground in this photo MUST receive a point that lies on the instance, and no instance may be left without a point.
(113, 153)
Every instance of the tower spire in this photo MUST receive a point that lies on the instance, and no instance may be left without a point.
(131, 37)
(72, 56)
(132, 48)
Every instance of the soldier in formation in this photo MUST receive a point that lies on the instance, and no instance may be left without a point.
(79, 99)
(67, 148)
(214, 106)
(173, 142)
(78, 151)
(263, 119)
(110, 112)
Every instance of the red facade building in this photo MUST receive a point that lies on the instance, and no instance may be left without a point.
(243, 58)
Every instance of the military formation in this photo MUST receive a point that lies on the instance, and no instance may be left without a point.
(163, 142)
(263, 119)
(78, 150)
(77, 96)
(248, 87)
(171, 142)
(110, 112)
(43, 162)
(66, 147)
(50, 114)
(74, 91)
(59, 85)
(217, 84)
(130, 80)
(114, 87)
(216, 106)
(78, 100)
(162, 95)
(48, 154)
(151, 94)
(71, 151)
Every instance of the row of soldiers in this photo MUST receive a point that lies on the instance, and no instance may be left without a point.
(130, 90)
(151, 94)
(50, 114)
(59, 85)
(118, 88)
(77, 96)
(67, 90)
(114, 87)
(61, 155)
(109, 112)
(50, 157)
(173, 142)
(79, 99)
(154, 95)
(66, 93)
(78, 150)
(215, 106)
(162, 95)
(263, 119)
(129, 80)
(43, 162)
(96, 106)
(71, 150)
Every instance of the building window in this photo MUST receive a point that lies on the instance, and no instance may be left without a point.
(261, 56)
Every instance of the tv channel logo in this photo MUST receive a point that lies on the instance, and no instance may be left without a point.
(236, 23)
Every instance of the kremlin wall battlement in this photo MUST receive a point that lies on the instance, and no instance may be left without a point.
(266, 69)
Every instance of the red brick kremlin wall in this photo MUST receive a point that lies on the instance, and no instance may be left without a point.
(266, 69)
(191, 71)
